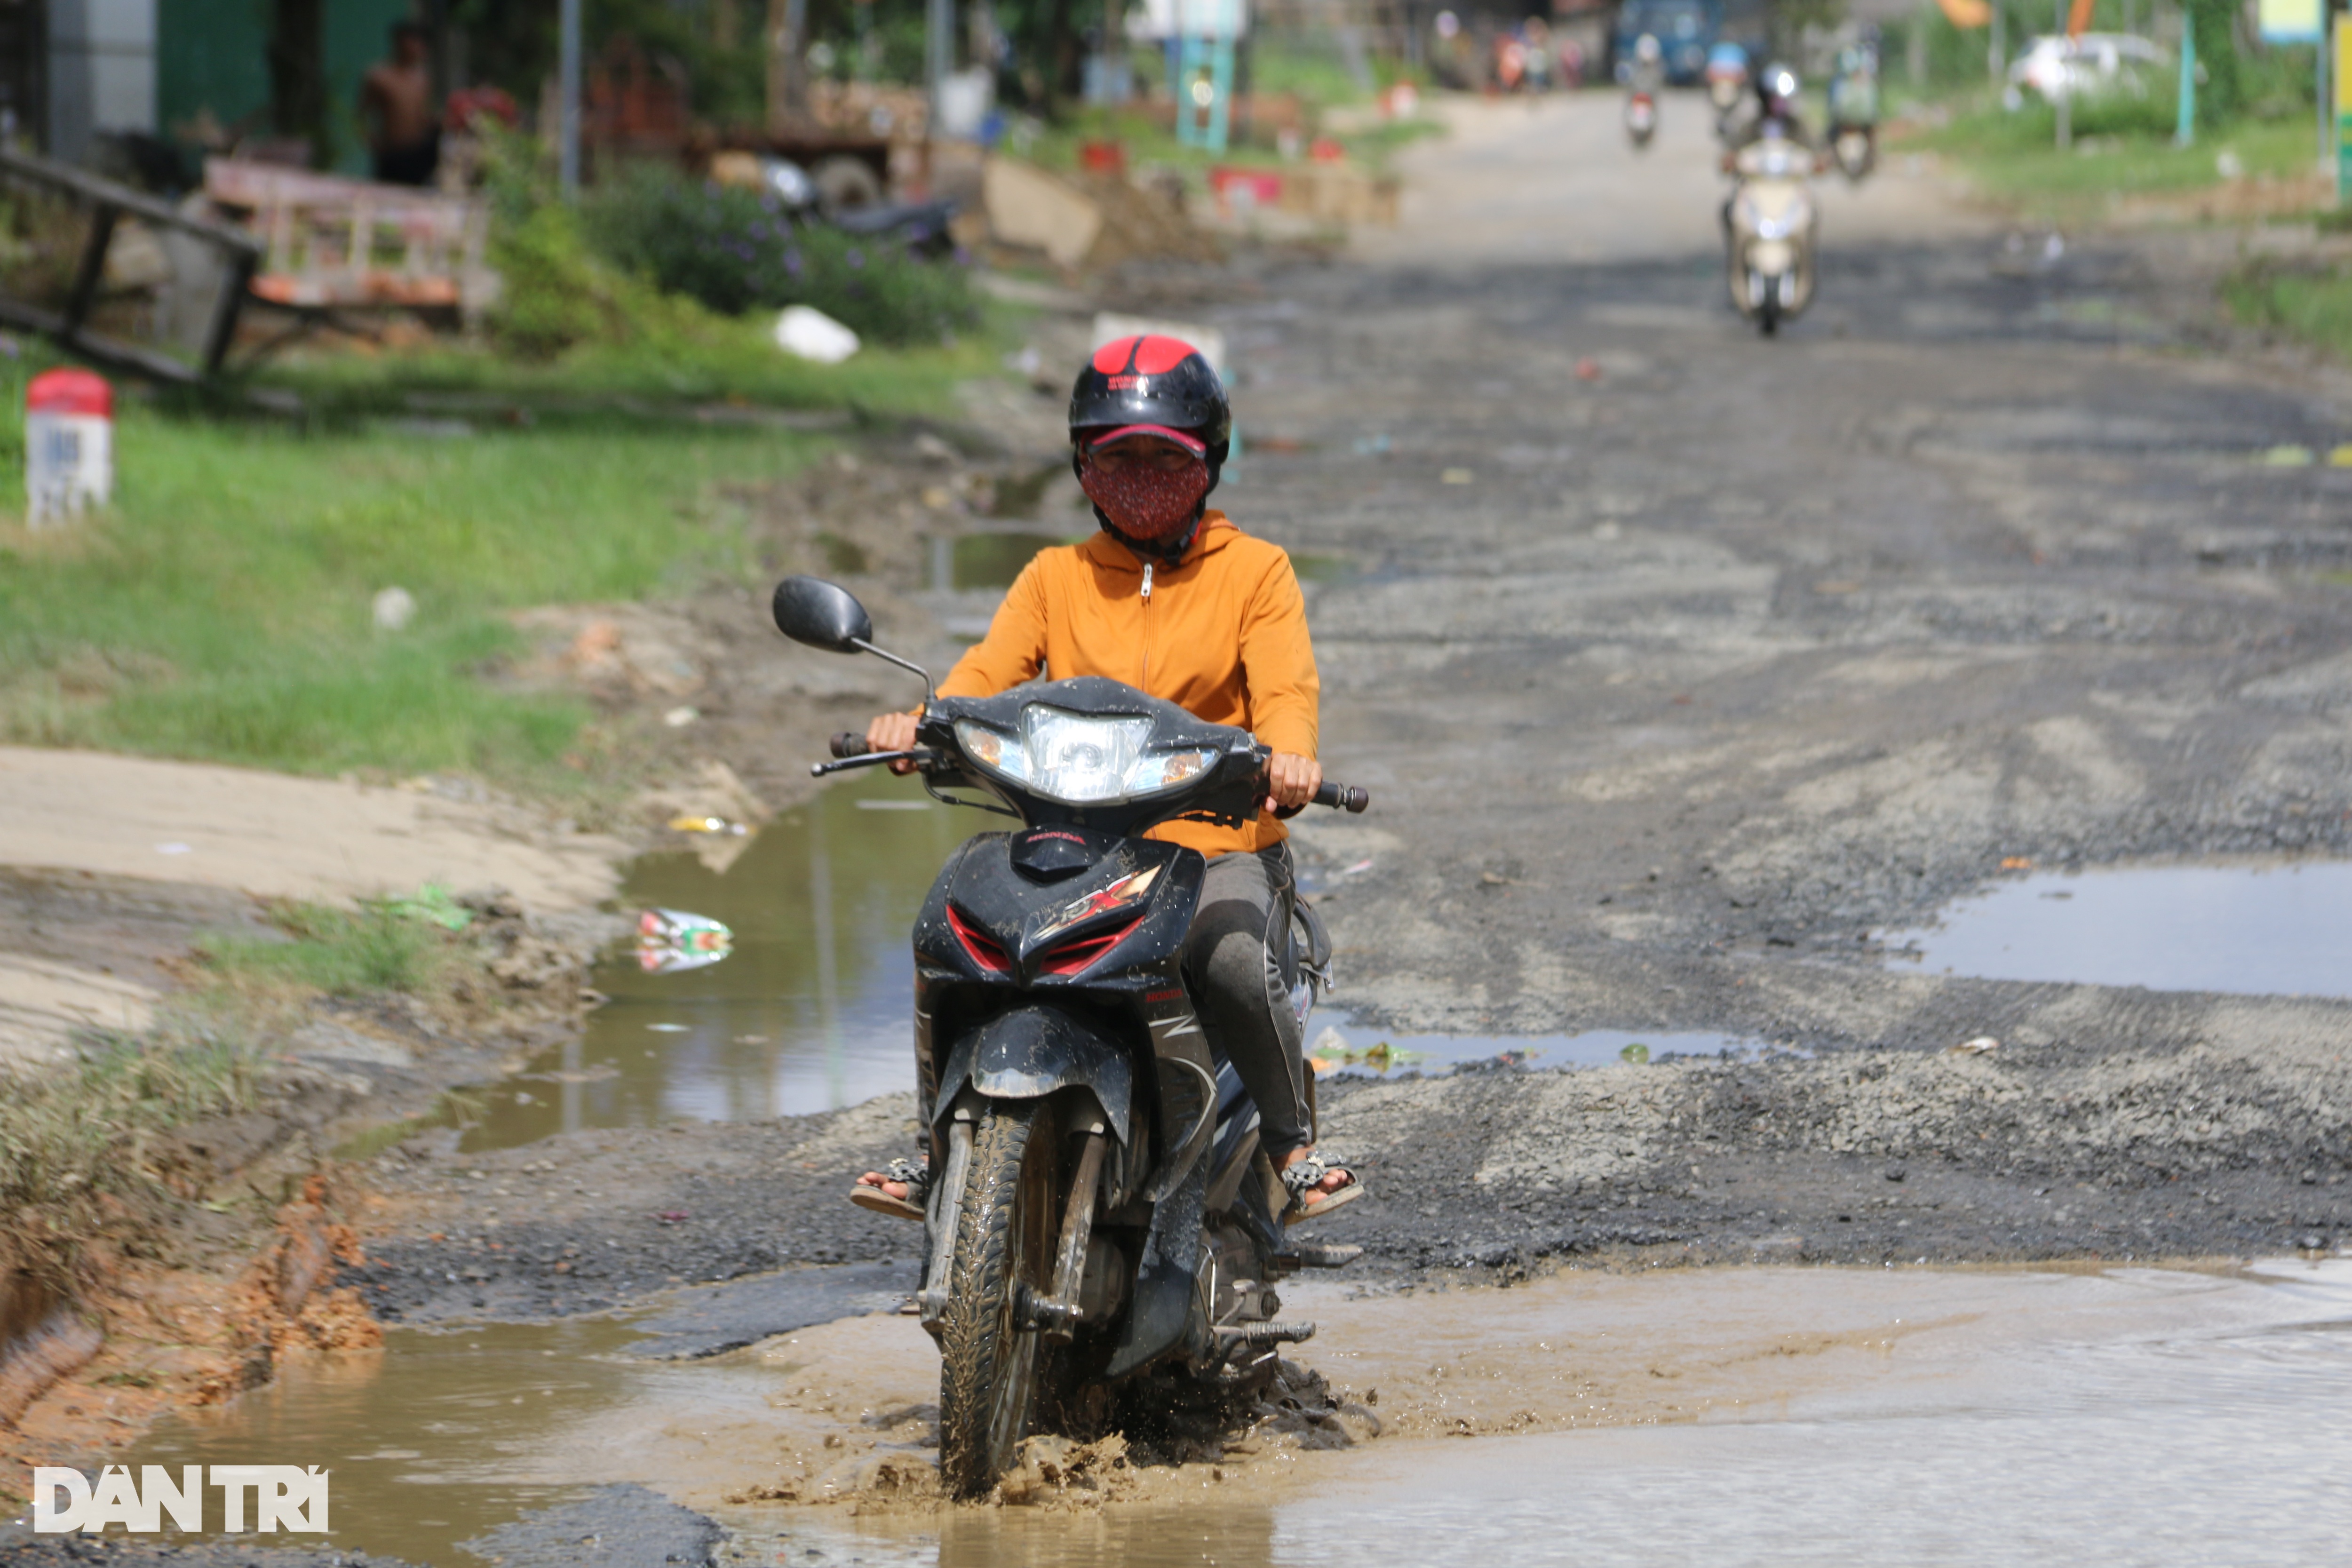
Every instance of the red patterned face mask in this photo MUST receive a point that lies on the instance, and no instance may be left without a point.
(1146, 502)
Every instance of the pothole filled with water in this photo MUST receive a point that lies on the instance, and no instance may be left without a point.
(2249, 930)
(1739, 1416)
(808, 1009)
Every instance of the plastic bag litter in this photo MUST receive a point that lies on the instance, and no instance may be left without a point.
(392, 609)
(1331, 1051)
(808, 333)
(434, 906)
(670, 941)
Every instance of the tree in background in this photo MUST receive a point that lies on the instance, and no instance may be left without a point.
(2222, 95)
(511, 43)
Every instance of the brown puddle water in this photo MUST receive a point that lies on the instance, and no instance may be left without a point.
(1765, 1415)
(808, 1012)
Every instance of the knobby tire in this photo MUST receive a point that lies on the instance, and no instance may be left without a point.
(990, 1368)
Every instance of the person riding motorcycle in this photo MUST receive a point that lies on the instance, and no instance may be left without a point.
(1776, 110)
(1776, 118)
(1173, 598)
(1647, 75)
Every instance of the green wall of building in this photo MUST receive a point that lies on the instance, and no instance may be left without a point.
(215, 54)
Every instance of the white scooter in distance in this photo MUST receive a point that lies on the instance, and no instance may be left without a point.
(1770, 227)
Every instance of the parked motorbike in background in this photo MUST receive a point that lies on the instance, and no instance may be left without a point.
(843, 194)
(1854, 111)
(1101, 1212)
(1770, 225)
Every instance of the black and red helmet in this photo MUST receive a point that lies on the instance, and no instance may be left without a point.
(1153, 380)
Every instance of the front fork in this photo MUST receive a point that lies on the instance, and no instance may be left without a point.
(1057, 1314)
(947, 1203)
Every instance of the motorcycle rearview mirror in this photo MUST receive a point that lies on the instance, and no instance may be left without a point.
(821, 614)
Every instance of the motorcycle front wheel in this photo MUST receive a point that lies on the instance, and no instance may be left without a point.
(991, 1363)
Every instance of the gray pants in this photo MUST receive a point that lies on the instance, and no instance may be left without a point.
(1234, 957)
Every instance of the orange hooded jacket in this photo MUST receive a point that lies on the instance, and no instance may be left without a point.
(1221, 634)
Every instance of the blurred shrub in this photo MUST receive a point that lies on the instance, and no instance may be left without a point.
(2141, 102)
(549, 300)
(735, 251)
(2280, 82)
(557, 292)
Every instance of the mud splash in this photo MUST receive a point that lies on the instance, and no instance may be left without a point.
(1759, 1415)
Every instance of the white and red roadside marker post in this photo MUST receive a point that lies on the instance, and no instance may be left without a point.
(68, 446)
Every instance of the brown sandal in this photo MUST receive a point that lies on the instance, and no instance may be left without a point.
(917, 1179)
(1303, 1180)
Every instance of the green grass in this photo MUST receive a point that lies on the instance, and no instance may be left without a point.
(222, 610)
(2312, 305)
(79, 1144)
(383, 945)
(74, 1142)
(728, 362)
(2014, 158)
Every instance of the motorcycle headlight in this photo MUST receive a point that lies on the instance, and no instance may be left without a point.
(1079, 759)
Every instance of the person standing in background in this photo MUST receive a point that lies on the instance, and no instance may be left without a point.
(396, 96)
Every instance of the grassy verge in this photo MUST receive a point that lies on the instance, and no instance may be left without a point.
(87, 1152)
(725, 362)
(75, 1145)
(2014, 158)
(2312, 304)
(221, 610)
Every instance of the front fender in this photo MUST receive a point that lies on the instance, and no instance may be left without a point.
(1031, 1052)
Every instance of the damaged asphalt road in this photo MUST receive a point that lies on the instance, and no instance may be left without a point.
(1681, 665)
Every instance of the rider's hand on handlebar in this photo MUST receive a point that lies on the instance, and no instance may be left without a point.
(893, 732)
(1291, 781)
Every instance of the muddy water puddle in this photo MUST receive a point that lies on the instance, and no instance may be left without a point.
(432, 1439)
(1761, 1416)
(808, 1010)
(2255, 931)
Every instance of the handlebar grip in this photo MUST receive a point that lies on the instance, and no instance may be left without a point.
(1353, 801)
(849, 745)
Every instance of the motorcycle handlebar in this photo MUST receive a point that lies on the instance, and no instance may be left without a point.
(1342, 798)
(849, 745)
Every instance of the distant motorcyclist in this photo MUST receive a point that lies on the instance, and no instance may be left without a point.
(1647, 76)
(1777, 112)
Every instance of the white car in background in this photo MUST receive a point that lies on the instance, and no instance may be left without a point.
(2056, 66)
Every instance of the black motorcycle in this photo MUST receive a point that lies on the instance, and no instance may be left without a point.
(1102, 1211)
